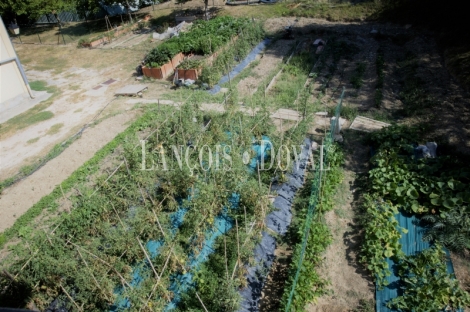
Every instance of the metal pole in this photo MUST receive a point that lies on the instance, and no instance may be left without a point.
(39, 39)
(20, 38)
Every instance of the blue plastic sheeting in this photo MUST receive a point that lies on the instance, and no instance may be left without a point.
(250, 58)
(278, 221)
(412, 243)
(261, 149)
(143, 270)
(264, 257)
(181, 283)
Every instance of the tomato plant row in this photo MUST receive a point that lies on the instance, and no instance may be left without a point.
(100, 243)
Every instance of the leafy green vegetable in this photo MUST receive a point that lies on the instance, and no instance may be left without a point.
(426, 284)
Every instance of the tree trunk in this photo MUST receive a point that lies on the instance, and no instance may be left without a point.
(129, 11)
(57, 18)
(206, 4)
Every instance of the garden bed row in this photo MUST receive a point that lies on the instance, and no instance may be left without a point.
(139, 236)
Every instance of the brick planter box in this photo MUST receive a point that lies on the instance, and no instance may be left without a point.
(168, 68)
(98, 42)
(165, 70)
(192, 74)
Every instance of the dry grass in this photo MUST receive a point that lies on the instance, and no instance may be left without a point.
(33, 140)
(54, 129)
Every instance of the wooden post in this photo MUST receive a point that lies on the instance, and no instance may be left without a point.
(63, 195)
(70, 298)
(238, 243)
(158, 281)
(158, 222)
(91, 272)
(120, 221)
(105, 263)
(246, 224)
(226, 266)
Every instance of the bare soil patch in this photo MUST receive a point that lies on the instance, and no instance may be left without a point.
(461, 268)
(268, 62)
(74, 72)
(274, 287)
(18, 198)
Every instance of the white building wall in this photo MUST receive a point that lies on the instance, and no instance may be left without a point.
(12, 84)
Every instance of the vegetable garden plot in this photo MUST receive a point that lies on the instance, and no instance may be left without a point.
(430, 194)
(153, 239)
(224, 41)
(277, 221)
(412, 244)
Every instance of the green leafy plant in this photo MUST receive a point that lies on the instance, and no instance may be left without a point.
(310, 285)
(418, 185)
(207, 37)
(95, 246)
(437, 187)
(451, 230)
(190, 64)
(427, 285)
(381, 238)
(84, 42)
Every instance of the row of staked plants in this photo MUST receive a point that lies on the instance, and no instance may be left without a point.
(205, 38)
(436, 191)
(99, 256)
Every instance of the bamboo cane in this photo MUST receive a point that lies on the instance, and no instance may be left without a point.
(148, 259)
(205, 309)
(70, 298)
(105, 263)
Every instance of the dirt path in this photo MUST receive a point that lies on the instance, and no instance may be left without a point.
(78, 76)
(350, 283)
(461, 269)
(20, 197)
(72, 109)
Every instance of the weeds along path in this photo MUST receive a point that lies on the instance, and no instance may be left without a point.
(18, 198)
